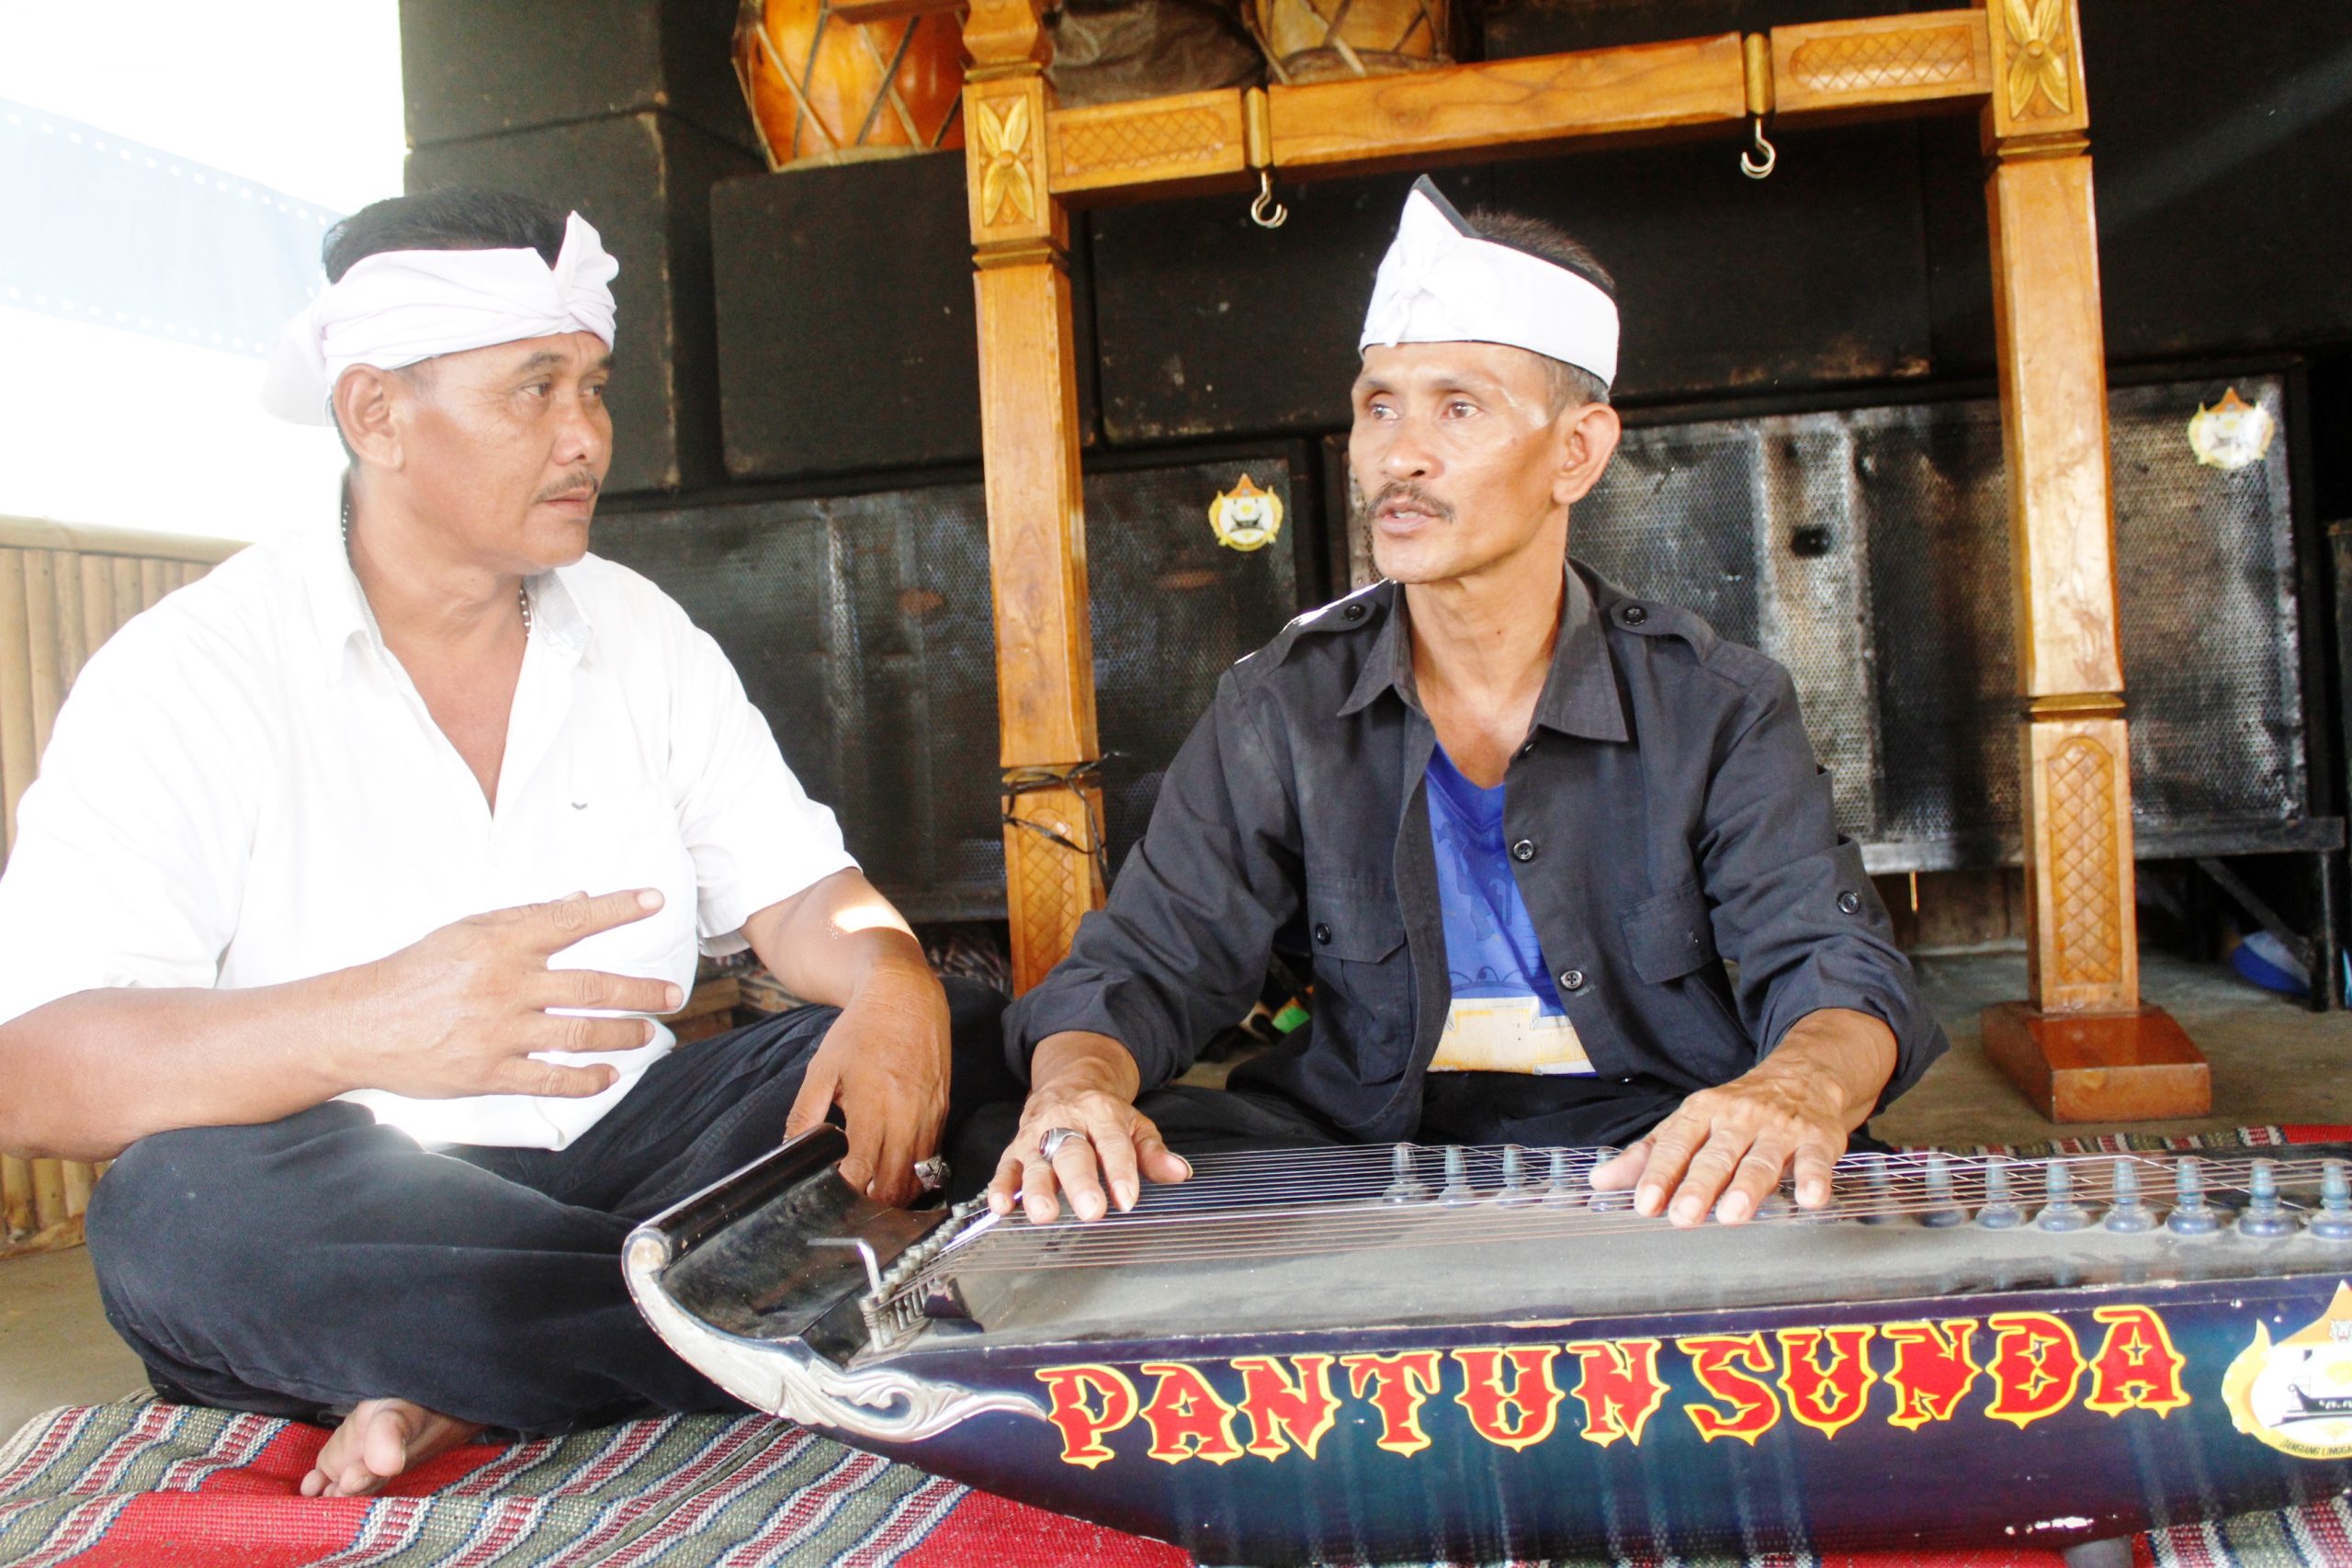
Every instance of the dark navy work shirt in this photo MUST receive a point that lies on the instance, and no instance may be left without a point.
(1672, 836)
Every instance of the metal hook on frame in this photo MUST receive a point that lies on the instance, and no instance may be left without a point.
(1757, 162)
(1265, 212)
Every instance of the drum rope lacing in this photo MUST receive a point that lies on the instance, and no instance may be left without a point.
(1299, 1201)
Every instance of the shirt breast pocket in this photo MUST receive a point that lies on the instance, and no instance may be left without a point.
(1669, 935)
(1364, 989)
(626, 839)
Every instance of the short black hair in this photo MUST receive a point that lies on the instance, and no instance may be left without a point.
(455, 218)
(1571, 384)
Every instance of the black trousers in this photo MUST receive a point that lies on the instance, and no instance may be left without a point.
(296, 1267)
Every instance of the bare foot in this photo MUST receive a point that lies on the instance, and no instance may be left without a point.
(378, 1440)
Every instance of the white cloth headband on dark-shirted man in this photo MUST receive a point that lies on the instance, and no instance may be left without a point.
(1441, 282)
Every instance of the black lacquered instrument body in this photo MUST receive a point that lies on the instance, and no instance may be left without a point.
(1373, 1354)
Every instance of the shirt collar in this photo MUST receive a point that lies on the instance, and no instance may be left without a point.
(1579, 694)
(340, 612)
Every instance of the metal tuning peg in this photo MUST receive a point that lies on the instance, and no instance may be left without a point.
(2333, 1221)
(2192, 1215)
(1405, 1188)
(2060, 1211)
(1941, 1211)
(2264, 1216)
(1457, 1178)
(1515, 1191)
(2000, 1209)
(2128, 1216)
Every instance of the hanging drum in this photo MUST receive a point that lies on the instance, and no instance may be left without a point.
(825, 91)
(1317, 41)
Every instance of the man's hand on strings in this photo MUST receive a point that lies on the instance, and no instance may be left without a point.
(1083, 1085)
(1727, 1149)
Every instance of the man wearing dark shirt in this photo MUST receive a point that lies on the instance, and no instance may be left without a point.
(1562, 859)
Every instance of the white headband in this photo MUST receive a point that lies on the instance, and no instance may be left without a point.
(398, 307)
(1441, 283)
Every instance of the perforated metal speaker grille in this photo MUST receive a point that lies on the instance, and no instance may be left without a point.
(862, 627)
(1869, 551)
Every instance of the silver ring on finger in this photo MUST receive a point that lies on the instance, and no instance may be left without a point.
(932, 1173)
(1055, 1139)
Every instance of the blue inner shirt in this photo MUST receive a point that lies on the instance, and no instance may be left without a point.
(1490, 946)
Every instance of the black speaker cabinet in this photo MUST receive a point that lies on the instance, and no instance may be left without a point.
(862, 627)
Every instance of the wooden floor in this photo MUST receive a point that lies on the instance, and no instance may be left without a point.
(2272, 1062)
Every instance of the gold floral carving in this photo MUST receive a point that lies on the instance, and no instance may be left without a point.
(2085, 890)
(1007, 186)
(1858, 63)
(2040, 75)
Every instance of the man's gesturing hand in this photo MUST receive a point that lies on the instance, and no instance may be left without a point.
(1725, 1148)
(461, 1010)
(1085, 1084)
(885, 1063)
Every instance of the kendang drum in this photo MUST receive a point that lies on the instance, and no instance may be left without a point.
(824, 90)
(1317, 41)
(1370, 1352)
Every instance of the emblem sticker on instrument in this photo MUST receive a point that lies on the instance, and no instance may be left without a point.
(2295, 1394)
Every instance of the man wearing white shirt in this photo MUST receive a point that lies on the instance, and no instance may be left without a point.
(359, 874)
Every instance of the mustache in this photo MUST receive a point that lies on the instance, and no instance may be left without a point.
(580, 481)
(1396, 490)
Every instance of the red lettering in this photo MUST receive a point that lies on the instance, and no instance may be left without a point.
(1398, 1384)
(2136, 1365)
(1827, 1397)
(1620, 1389)
(1517, 1417)
(1086, 1402)
(1283, 1411)
(1732, 1367)
(1186, 1417)
(2037, 1364)
(1932, 1368)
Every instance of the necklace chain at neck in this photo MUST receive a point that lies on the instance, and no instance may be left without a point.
(522, 589)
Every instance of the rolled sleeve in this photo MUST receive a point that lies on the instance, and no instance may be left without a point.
(1792, 905)
(1181, 949)
(755, 836)
(129, 860)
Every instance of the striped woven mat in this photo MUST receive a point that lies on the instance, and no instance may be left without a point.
(141, 1483)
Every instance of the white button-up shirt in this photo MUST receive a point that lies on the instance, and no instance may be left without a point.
(245, 788)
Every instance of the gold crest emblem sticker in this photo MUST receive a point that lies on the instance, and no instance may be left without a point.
(2295, 1394)
(1245, 517)
(2232, 434)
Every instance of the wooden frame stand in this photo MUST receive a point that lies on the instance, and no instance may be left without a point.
(2017, 65)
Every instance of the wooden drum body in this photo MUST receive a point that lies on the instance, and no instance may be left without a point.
(825, 90)
(1320, 41)
(1477, 1363)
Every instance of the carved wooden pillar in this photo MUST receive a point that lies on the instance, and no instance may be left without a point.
(1029, 437)
(2083, 1048)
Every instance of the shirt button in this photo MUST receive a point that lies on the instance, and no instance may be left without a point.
(1523, 850)
(1323, 933)
(1633, 615)
(1528, 750)
(1851, 903)
(1353, 613)
(1572, 979)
